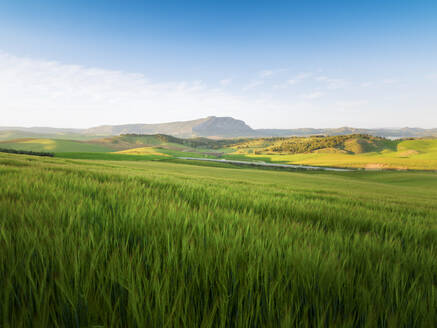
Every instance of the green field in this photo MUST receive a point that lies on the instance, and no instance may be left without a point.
(53, 145)
(13, 134)
(426, 161)
(350, 151)
(418, 154)
(110, 156)
(100, 243)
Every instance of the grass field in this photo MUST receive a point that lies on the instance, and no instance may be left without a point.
(168, 152)
(53, 145)
(142, 151)
(99, 243)
(420, 154)
(357, 152)
(368, 160)
(111, 156)
(6, 135)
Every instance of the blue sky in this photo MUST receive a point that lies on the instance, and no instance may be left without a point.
(277, 64)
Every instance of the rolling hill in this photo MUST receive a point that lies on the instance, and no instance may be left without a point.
(53, 145)
(350, 144)
(352, 151)
(219, 127)
(211, 127)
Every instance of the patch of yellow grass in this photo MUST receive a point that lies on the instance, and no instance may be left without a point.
(48, 143)
(39, 141)
(368, 160)
(141, 151)
(329, 151)
(408, 153)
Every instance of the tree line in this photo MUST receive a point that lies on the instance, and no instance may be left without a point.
(26, 152)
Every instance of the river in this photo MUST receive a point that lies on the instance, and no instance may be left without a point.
(292, 166)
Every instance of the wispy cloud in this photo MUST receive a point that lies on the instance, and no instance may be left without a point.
(303, 76)
(39, 92)
(390, 81)
(308, 77)
(351, 103)
(48, 93)
(313, 95)
(366, 84)
(285, 84)
(331, 83)
(225, 82)
(299, 77)
(252, 85)
(267, 73)
(292, 81)
(382, 82)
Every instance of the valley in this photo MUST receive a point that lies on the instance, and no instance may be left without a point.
(344, 151)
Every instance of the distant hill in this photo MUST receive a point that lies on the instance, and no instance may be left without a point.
(356, 150)
(118, 143)
(347, 144)
(210, 127)
(50, 133)
(129, 141)
(53, 145)
(179, 129)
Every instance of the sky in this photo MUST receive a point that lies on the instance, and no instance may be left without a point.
(273, 64)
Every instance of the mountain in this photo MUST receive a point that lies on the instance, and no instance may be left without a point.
(179, 129)
(42, 130)
(205, 127)
(223, 127)
(212, 127)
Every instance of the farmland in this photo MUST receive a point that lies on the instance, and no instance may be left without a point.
(53, 145)
(354, 151)
(149, 243)
(348, 151)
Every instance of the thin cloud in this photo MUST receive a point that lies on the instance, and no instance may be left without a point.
(38, 92)
(267, 73)
(321, 81)
(331, 83)
(313, 95)
(252, 85)
(303, 76)
(292, 81)
(48, 93)
(351, 103)
(389, 81)
(285, 84)
(225, 82)
(366, 84)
